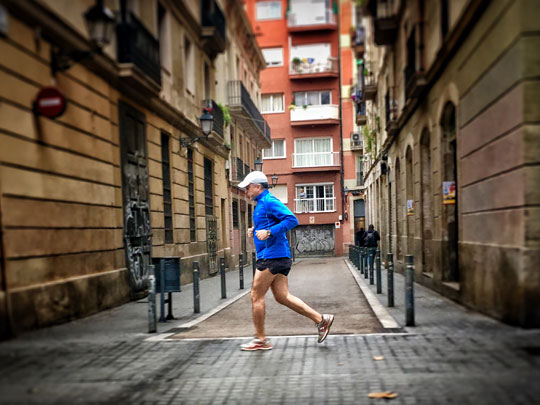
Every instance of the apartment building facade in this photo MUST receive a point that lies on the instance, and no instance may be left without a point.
(124, 175)
(453, 175)
(300, 99)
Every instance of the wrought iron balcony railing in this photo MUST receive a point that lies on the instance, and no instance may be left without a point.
(306, 205)
(138, 46)
(217, 113)
(240, 100)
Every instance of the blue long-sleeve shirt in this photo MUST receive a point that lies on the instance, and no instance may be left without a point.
(270, 213)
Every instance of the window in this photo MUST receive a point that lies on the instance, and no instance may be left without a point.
(313, 57)
(312, 98)
(207, 92)
(310, 12)
(208, 187)
(313, 152)
(272, 103)
(277, 150)
(189, 66)
(280, 192)
(273, 56)
(164, 38)
(314, 198)
(235, 214)
(191, 193)
(268, 10)
(359, 172)
(167, 197)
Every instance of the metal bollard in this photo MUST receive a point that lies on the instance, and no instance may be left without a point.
(371, 261)
(241, 270)
(378, 270)
(223, 280)
(357, 258)
(366, 272)
(162, 290)
(390, 274)
(196, 294)
(152, 327)
(409, 290)
(361, 260)
(253, 260)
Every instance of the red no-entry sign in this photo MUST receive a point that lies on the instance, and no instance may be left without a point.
(50, 102)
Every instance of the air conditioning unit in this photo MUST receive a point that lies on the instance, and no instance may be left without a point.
(356, 141)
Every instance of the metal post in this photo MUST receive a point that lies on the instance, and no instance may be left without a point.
(223, 280)
(241, 270)
(371, 260)
(196, 295)
(162, 291)
(378, 270)
(253, 260)
(357, 258)
(409, 290)
(152, 327)
(361, 260)
(366, 272)
(390, 274)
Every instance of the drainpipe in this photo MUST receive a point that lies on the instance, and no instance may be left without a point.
(342, 183)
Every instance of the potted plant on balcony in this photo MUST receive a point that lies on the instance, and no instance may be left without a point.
(292, 106)
(296, 62)
(226, 114)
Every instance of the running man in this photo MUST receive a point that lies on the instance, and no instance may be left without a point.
(271, 220)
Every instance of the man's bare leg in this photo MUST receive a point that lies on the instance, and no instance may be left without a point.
(261, 283)
(280, 289)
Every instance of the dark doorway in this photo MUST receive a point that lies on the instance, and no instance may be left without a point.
(137, 228)
(450, 209)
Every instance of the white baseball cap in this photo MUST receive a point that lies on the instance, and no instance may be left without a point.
(255, 177)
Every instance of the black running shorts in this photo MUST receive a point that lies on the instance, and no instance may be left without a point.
(281, 265)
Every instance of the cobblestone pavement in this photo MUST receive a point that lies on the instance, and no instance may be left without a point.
(452, 356)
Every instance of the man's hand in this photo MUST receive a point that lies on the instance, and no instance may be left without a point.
(250, 232)
(262, 234)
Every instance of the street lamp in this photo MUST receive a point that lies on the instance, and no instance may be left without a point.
(258, 164)
(274, 180)
(100, 23)
(206, 120)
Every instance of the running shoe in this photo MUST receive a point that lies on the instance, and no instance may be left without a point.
(324, 326)
(256, 344)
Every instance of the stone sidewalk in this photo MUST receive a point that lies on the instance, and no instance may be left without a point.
(452, 356)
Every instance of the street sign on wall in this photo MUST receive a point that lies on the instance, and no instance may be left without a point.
(50, 102)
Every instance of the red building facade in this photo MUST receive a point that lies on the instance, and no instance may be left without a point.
(301, 101)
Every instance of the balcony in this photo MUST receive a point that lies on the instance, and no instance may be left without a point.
(241, 104)
(370, 86)
(315, 160)
(137, 48)
(315, 115)
(305, 70)
(361, 116)
(217, 114)
(213, 28)
(300, 21)
(237, 170)
(415, 82)
(308, 205)
(358, 37)
(385, 23)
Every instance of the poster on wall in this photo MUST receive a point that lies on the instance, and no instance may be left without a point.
(449, 192)
(410, 207)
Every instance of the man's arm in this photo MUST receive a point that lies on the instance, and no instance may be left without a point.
(286, 219)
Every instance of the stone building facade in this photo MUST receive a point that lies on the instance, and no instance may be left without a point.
(453, 177)
(90, 198)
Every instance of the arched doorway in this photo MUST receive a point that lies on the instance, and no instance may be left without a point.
(450, 207)
(426, 195)
(409, 193)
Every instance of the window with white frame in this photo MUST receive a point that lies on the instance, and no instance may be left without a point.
(273, 56)
(268, 10)
(314, 198)
(313, 152)
(359, 171)
(280, 192)
(302, 98)
(277, 150)
(272, 103)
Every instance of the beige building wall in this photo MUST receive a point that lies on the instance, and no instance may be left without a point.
(61, 206)
(492, 80)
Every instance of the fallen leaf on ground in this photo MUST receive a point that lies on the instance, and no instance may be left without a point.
(385, 395)
(378, 357)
